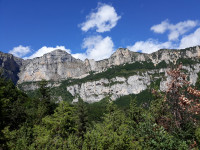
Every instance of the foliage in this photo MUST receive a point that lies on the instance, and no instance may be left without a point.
(112, 133)
(187, 61)
(18, 139)
(183, 99)
(197, 85)
(13, 105)
(55, 128)
(82, 118)
(143, 98)
(138, 121)
(54, 92)
(197, 134)
(125, 70)
(96, 110)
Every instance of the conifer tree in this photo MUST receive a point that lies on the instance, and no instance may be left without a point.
(82, 117)
(134, 111)
(45, 106)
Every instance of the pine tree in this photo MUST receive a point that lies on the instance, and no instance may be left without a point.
(45, 97)
(12, 107)
(134, 111)
(82, 118)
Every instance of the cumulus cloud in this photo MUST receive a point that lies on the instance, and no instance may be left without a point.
(192, 39)
(20, 51)
(149, 46)
(175, 30)
(45, 50)
(152, 45)
(96, 47)
(104, 19)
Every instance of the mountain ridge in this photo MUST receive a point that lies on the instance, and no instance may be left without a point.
(60, 65)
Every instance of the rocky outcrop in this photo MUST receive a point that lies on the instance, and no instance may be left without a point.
(173, 55)
(191, 71)
(31, 86)
(59, 65)
(116, 87)
(10, 66)
(119, 86)
(56, 65)
(121, 56)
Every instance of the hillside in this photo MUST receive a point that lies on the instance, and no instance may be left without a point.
(124, 73)
(59, 65)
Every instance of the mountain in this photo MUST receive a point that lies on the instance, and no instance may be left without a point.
(123, 73)
(56, 65)
(59, 65)
(10, 66)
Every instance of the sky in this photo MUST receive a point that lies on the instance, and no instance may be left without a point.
(95, 29)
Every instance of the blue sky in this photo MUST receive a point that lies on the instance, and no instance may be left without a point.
(94, 29)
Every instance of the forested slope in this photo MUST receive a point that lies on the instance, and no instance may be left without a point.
(161, 120)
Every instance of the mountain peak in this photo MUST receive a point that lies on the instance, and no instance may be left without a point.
(121, 51)
(59, 64)
(57, 52)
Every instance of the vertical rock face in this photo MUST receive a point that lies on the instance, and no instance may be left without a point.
(121, 56)
(97, 90)
(172, 55)
(10, 66)
(56, 65)
(94, 91)
(59, 65)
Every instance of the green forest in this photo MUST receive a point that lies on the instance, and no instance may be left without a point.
(149, 120)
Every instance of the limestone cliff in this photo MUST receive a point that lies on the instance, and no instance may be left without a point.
(119, 86)
(116, 87)
(59, 65)
(56, 65)
(10, 66)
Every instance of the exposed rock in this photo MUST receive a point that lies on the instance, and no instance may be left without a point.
(119, 86)
(31, 86)
(59, 65)
(192, 71)
(56, 65)
(10, 66)
(97, 90)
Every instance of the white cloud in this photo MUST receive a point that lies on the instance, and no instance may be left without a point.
(192, 39)
(175, 30)
(104, 19)
(20, 51)
(45, 50)
(97, 48)
(152, 45)
(149, 46)
(160, 28)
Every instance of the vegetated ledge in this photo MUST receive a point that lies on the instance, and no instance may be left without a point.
(59, 90)
(61, 65)
(124, 70)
